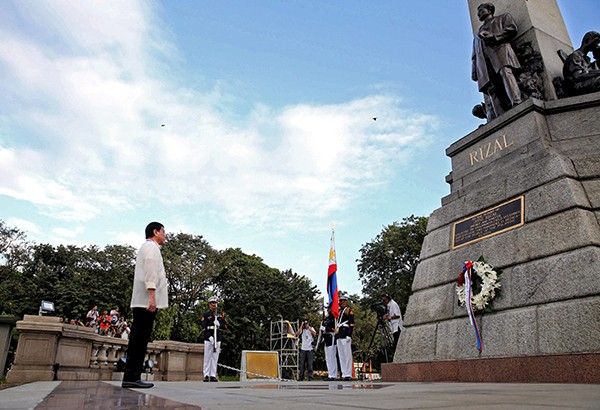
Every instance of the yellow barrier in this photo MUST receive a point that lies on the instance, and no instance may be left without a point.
(257, 365)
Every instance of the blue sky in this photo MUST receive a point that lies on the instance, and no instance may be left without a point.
(268, 137)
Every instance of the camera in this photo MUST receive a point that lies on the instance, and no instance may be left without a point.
(380, 309)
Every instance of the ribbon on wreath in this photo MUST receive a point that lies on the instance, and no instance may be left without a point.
(466, 275)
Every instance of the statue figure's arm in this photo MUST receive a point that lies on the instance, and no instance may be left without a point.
(508, 31)
(580, 69)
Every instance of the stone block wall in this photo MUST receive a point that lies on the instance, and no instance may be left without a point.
(51, 350)
(550, 297)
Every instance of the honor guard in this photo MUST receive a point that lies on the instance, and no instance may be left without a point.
(212, 322)
(328, 329)
(344, 326)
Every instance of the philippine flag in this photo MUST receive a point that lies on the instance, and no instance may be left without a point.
(332, 287)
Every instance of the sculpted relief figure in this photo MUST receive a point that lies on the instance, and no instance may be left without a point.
(495, 61)
(581, 75)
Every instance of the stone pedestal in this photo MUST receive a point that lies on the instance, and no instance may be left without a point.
(180, 361)
(194, 368)
(547, 154)
(36, 350)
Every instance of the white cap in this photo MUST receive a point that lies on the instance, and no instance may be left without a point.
(343, 296)
(213, 299)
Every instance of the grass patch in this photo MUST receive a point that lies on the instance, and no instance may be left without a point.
(229, 378)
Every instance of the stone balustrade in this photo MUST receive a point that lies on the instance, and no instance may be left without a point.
(51, 350)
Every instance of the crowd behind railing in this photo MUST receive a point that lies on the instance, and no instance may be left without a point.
(105, 324)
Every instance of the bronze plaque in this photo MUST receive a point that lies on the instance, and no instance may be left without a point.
(501, 218)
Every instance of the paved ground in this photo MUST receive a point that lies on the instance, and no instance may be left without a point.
(320, 395)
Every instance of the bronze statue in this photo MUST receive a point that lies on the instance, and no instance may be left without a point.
(581, 75)
(494, 61)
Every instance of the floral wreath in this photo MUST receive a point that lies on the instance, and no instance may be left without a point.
(485, 282)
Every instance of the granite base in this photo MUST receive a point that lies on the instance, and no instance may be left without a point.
(571, 368)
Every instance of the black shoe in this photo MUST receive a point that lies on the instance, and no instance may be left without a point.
(214, 379)
(206, 379)
(137, 385)
(347, 379)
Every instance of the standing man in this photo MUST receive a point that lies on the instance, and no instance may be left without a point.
(394, 318)
(328, 330)
(343, 337)
(91, 318)
(306, 350)
(494, 61)
(150, 293)
(212, 322)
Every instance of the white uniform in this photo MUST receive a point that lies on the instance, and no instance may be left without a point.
(330, 348)
(212, 347)
(345, 326)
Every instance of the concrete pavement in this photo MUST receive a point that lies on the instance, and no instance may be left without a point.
(288, 395)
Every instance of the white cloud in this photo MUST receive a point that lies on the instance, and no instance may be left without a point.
(131, 238)
(93, 142)
(67, 233)
(24, 225)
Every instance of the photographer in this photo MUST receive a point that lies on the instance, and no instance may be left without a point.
(306, 350)
(393, 316)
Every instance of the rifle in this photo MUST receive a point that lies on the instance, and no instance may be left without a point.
(215, 331)
(322, 324)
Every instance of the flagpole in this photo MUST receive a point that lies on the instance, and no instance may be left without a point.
(332, 287)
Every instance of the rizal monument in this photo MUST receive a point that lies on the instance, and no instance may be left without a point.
(525, 196)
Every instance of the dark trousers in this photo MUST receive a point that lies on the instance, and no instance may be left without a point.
(396, 337)
(306, 357)
(141, 330)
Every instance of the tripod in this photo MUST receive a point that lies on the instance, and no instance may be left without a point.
(387, 340)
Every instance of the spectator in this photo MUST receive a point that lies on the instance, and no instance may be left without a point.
(126, 331)
(119, 328)
(104, 323)
(114, 316)
(91, 319)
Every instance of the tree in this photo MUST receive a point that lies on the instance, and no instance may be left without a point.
(190, 265)
(74, 278)
(13, 242)
(14, 256)
(388, 263)
(253, 294)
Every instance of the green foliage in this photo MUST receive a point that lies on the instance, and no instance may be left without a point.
(190, 265)
(163, 325)
(74, 278)
(388, 263)
(253, 295)
(15, 287)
